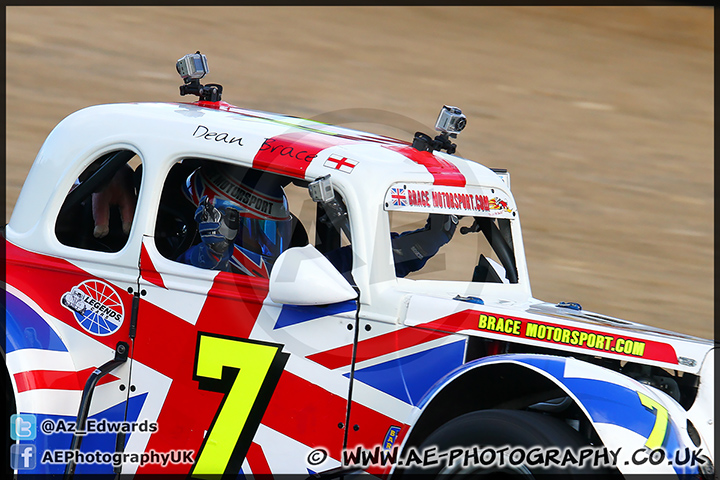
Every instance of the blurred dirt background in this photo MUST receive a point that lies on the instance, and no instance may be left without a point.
(604, 116)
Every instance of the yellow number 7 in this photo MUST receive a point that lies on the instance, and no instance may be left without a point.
(247, 371)
(657, 435)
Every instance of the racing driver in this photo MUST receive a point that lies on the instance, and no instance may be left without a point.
(248, 210)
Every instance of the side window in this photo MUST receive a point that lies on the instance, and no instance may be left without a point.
(98, 212)
(327, 225)
(448, 247)
(220, 216)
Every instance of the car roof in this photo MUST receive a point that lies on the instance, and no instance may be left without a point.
(163, 133)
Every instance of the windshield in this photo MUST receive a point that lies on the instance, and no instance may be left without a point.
(452, 247)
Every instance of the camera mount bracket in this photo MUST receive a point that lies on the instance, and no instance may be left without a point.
(449, 123)
(425, 143)
(212, 92)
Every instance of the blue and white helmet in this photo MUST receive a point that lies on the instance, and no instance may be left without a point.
(265, 221)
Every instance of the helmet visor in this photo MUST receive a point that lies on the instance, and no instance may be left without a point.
(265, 237)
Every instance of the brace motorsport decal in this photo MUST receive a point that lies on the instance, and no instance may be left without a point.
(469, 201)
(577, 337)
(536, 330)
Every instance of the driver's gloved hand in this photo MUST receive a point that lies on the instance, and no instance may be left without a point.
(442, 225)
(411, 250)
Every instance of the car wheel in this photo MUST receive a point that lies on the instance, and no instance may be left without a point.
(500, 428)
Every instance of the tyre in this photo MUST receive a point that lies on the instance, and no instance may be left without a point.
(501, 428)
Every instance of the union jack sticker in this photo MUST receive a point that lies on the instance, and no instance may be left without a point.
(398, 197)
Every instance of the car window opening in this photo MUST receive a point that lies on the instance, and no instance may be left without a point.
(98, 212)
(455, 248)
(223, 217)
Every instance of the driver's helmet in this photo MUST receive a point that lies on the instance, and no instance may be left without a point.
(265, 221)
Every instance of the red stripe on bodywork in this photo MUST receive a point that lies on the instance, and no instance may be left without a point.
(236, 297)
(257, 461)
(443, 172)
(186, 411)
(374, 347)
(290, 154)
(316, 424)
(149, 272)
(56, 379)
(465, 320)
(45, 279)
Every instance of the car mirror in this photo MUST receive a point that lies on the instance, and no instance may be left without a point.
(303, 276)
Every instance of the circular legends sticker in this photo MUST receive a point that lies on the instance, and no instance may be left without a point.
(96, 306)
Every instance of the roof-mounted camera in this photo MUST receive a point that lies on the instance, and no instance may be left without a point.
(449, 123)
(192, 67)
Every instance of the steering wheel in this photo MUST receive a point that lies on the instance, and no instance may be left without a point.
(175, 230)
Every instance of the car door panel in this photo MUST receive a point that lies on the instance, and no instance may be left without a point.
(242, 378)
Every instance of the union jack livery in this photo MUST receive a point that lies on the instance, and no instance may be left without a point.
(398, 197)
(394, 318)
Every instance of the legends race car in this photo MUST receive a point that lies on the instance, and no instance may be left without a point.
(353, 346)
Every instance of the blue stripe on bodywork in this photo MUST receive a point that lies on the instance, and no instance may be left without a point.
(605, 402)
(409, 378)
(294, 314)
(25, 328)
(103, 442)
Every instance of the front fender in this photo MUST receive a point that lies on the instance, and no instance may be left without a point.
(630, 418)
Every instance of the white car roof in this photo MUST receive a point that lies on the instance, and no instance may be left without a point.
(163, 133)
